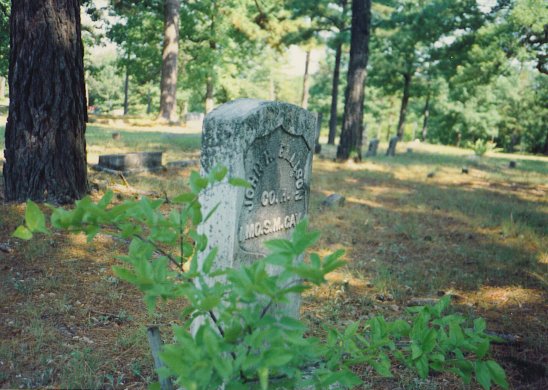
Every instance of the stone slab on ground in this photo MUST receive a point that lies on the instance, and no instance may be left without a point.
(130, 163)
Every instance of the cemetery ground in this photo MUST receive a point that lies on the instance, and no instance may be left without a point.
(414, 227)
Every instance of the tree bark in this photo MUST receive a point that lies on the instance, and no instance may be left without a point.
(304, 99)
(126, 92)
(168, 84)
(426, 114)
(45, 134)
(404, 103)
(354, 97)
(335, 96)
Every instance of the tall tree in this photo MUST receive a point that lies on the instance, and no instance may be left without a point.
(352, 130)
(45, 133)
(4, 43)
(138, 32)
(168, 83)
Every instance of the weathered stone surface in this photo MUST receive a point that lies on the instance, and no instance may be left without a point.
(182, 163)
(130, 162)
(391, 151)
(334, 200)
(372, 148)
(271, 145)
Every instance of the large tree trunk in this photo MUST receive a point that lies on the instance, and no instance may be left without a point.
(304, 98)
(404, 103)
(168, 84)
(335, 96)
(426, 114)
(353, 108)
(45, 133)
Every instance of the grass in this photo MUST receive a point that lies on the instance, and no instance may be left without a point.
(481, 237)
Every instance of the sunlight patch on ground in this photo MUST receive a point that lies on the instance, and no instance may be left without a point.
(508, 296)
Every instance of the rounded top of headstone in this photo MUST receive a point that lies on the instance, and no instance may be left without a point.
(232, 127)
(245, 107)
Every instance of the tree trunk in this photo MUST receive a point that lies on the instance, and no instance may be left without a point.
(426, 114)
(149, 102)
(126, 92)
(404, 103)
(335, 96)
(353, 108)
(304, 99)
(168, 84)
(45, 134)
(209, 103)
(209, 95)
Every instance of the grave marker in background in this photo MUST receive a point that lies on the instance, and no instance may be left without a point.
(270, 144)
(372, 149)
(391, 151)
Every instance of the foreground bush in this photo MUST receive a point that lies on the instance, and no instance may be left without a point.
(240, 341)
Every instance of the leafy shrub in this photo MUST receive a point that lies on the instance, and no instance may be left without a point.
(481, 147)
(239, 342)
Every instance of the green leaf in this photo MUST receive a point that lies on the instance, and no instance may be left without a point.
(497, 374)
(422, 366)
(263, 377)
(416, 351)
(237, 182)
(208, 262)
(483, 376)
(23, 233)
(479, 325)
(197, 183)
(210, 214)
(284, 246)
(219, 172)
(184, 198)
(34, 218)
(105, 200)
(154, 386)
(382, 366)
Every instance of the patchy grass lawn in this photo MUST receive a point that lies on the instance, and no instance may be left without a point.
(414, 227)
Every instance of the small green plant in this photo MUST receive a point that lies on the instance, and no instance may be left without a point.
(239, 342)
(481, 147)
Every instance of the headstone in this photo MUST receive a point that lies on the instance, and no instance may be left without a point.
(391, 151)
(372, 148)
(318, 147)
(271, 145)
(116, 136)
(409, 150)
(334, 200)
(464, 170)
(182, 163)
(512, 164)
(130, 162)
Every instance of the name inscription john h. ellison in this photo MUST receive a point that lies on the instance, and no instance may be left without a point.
(276, 201)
